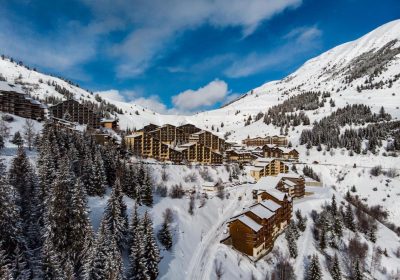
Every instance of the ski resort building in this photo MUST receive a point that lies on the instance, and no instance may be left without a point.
(274, 151)
(241, 156)
(261, 141)
(110, 124)
(20, 104)
(267, 167)
(253, 232)
(73, 111)
(171, 143)
(290, 183)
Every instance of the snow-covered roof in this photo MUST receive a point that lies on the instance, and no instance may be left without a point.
(8, 87)
(135, 134)
(261, 211)
(277, 194)
(270, 204)
(250, 223)
(187, 144)
(209, 184)
(255, 168)
(267, 182)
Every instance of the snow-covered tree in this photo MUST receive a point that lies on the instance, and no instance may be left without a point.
(115, 217)
(334, 269)
(151, 251)
(314, 269)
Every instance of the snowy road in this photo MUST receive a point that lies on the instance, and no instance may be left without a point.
(201, 264)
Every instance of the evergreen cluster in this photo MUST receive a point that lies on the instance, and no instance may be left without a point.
(309, 172)
(45, 230)
(328, 130)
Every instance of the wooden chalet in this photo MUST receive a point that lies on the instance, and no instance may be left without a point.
(169, 134)
(208, 139)
(16, 102)
(189, 128)
(241, 156)
(274, 151)
(73, 111)
(149, 127)
(110, 124)
(265, 167)
(254, 231)
(261, 141)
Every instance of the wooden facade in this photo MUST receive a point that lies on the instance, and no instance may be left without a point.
(273, 151)
(261, 141)
(189, 128)
(293, 185)
(268, 168)
(208, 139)
(71, 110)
(240, 156)
(110, 124)
(254, 231)
(20, 104)
(171, 143)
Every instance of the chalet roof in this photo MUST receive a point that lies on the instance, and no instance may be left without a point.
(255, 168)
(277, 194)
(268, 182)
(108, 120)
(270, 204)
(249, 222)
(262, 212)
(209, 184)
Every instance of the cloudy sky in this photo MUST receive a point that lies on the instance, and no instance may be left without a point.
(180, 55)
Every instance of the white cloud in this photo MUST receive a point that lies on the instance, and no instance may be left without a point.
(158, 22)
(112, 94)
(153, 103)
(190, 100)
(298, 41)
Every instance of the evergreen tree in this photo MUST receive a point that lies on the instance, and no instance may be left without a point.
(17, 139)
(314, 269)
(291, 241)
(165, 236)
(12, 240)
(335, 271)
(151, 251)
(349, 218)
(146, 189)
(115, 217)
(5, 271)
(358, 275)
(137, 260)
(97, 184)
(322, 239)
(106, 262)
(51, 267)
(338, 227)
(333, 206)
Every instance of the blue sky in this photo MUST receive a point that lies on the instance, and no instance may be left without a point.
(180, 56)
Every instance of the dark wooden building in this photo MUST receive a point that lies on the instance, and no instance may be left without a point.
(71, 110)
(21, 104)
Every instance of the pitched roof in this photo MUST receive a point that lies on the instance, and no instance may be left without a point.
(270, 204)
(261, 211)
(250, 223)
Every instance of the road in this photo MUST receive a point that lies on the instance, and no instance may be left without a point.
(202, 259)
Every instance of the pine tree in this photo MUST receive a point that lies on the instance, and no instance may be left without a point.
(333, 206)
(106, 261)
(338, 226)
(349, 218)
(115, 217)
(291, 241)
(314, 269)
(322, 239)
(151, 251)
(5, 271)
(51, 267)
(146, 189)
(97, 183)
(358, 275)
(335, 271)
(165, 236)
(12, 242)
(17, 139)
(137, 261)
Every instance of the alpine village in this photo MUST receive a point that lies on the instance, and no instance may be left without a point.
(295, 179)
